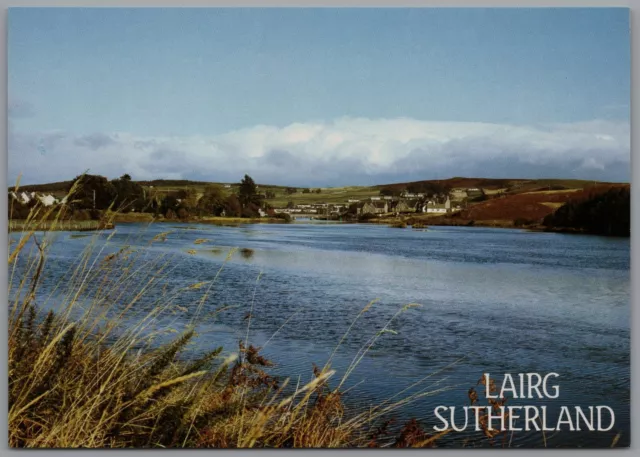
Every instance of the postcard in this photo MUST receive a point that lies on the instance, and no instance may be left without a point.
(319, 227)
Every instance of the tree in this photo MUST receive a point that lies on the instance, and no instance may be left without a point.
(290, 190)
(270, 194)
(248, 192)
(318, 190)
(291, 205)
(190, 199)
(389, 192)
(169, 206)
(352, 209)
(305, 191)
(128, 194)
(603, 212)
(92, 191)
(213, 200)
(232, 206)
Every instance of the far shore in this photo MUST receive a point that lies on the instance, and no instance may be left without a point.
(403, 221)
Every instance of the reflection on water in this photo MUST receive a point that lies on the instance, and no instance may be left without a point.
(490, 300)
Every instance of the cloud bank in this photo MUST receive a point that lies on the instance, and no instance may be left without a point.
(345, 151)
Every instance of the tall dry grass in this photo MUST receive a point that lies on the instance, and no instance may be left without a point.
(85, 368)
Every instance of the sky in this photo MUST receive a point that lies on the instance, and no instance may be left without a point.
(319, 97)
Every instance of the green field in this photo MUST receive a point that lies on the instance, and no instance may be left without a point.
(336, 195)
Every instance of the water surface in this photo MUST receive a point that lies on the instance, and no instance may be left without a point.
(491, 300)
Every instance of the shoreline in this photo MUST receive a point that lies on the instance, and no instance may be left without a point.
(59, 226)
(421, 223)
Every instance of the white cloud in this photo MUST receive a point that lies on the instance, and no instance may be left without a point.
(344, 151)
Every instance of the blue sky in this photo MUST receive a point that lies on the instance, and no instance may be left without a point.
(191, 92)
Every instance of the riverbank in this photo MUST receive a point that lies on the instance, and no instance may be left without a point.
(445, 221)
(61, 226)
(213, 220)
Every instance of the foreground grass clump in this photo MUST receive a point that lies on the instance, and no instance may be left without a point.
(90, 364)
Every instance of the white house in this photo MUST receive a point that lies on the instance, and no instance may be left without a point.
(47, 200)
(433, 207)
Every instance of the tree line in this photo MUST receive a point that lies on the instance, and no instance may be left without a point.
(93, 194)
(601, 213)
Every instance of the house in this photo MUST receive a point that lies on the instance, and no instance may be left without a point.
(388, 197)
(433, 207)
(25, 197)
(408, 195)
(373, 208)
(458, 194)
(47, 200)
(352, 200)
(375, 198)
(400, 206)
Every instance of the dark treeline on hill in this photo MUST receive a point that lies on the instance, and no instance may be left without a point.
(95, 194)
(600, 213)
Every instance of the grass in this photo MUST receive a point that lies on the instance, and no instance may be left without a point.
(91, 364)
(335, 195)
(60, 225)
(212, 220)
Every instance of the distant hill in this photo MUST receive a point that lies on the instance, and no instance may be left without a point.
(515, 184)
(53, 187)
(331, 194)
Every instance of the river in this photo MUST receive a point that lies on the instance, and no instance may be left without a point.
(491, 300)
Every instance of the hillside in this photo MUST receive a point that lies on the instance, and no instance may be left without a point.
(524, 206)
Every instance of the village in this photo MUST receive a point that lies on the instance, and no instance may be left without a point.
(363, 207)
(384, 205)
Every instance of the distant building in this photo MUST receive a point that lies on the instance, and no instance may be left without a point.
(400, 206)
(26, 197)
(373, 208)
(458, 194)
(47, 200)
(433, 207)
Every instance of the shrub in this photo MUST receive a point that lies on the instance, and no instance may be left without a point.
(521, 222)
(366, 217)
(602, 212)
(284, 216)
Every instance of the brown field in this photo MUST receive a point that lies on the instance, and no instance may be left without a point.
(531, 206)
